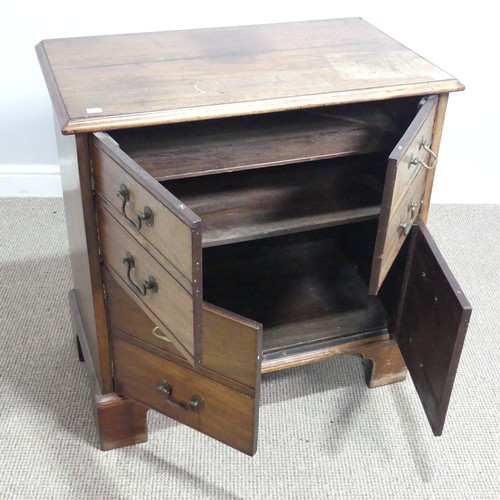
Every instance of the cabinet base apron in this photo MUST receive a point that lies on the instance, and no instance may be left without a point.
(122, 421)
(382, 359)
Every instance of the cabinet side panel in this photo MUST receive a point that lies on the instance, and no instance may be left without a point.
(82, 236)
(436, 141)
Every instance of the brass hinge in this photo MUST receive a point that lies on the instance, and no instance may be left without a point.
(422, 102)
(92, 179)
(105, 295)
(92, 182)
(112, 368)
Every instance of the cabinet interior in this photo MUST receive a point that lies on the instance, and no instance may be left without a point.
(301, 287)
(275, 239)
(252, 204)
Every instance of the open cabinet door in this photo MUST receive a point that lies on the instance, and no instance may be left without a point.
(404, 189)
(151, 243)
(431, 325)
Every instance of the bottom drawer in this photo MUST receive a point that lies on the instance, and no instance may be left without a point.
(207, 406)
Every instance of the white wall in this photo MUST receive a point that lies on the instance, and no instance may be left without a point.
(463, 41)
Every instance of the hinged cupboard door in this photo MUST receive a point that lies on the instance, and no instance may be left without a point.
(151, 243)
(431, 325)
(195, 362)
(404, 189)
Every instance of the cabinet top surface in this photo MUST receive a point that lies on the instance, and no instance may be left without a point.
(117, 81)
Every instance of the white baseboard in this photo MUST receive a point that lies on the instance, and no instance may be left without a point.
(42, 181)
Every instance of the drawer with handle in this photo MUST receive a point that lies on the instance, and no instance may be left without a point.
(151, 243)
(407, 169)
(166, 301)
(146, 210)
(414, 150)
(401, 220)
(231, 344)
(190, 398)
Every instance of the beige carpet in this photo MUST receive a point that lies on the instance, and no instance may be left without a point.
(323, 434)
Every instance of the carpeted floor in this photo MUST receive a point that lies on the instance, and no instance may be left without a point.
(323, 433)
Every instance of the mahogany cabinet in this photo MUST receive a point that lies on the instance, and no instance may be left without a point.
(243, 200)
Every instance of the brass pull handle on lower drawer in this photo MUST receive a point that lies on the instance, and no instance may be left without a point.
(406, 226)
(160, 335)
(149, 284)
(146, 215)
(194, 404)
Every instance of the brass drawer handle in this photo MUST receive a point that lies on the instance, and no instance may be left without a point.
(194, 404)
(147, 215)
(417, 160)
(160, 335)
(406, 226)
(149, 284)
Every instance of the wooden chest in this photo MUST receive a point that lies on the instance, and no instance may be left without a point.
(249, 199)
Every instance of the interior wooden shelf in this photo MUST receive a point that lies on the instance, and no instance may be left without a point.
(255, 204)
(300, 287)
(201, 148)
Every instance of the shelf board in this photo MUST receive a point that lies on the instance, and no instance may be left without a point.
(248, 142)
(256, 204)
(300, 287)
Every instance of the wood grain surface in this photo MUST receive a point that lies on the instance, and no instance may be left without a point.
(227, 415)
(431, 325)
(79, 208)
(231, 344)
(171, 305)
(436, 143)
(300, 287)
(178, 76)
(120, 421)
(175, 231)
(205, 147)
(404, 184)
(254, 204)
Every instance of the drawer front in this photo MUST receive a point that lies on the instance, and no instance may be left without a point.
(167, 303)
(404, 186)
(136, 213)
(127, 316)
(401, 221)
(404, 159)
(169, 226)
(186, 396)
(231, 344)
